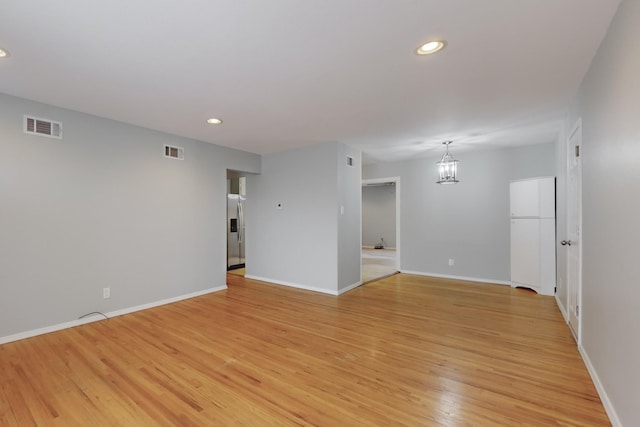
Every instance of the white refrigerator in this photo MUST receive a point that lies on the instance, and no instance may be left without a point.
(533, 234)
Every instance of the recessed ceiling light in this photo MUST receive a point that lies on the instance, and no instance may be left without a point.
(431, 47)
(214, 121)
(3, 53)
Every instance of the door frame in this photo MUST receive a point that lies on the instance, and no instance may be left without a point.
(576, 131)
(242, 186)
(396, 181)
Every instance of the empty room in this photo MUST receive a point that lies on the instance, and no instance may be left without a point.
(320, 213)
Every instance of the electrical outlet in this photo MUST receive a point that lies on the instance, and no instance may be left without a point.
(451, 262)
(106, 293)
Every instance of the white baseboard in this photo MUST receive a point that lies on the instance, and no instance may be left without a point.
(348, 288)
(469, 279)
(563, 309)
(78, 322)
(606, 402)
(164, 301)
(292, 285)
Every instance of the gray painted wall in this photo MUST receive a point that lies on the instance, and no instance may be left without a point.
(609, 102)
(349, 219)
(379, 215)
(104, 208)
(469, 221)
(298, 245)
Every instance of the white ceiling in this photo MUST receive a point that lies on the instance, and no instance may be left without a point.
(290, 73)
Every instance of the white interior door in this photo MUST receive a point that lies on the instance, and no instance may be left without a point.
(572, 243)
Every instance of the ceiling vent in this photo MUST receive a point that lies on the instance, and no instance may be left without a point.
(42, 127)
(174, 152)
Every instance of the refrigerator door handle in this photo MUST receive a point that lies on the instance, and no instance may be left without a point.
(240, 215)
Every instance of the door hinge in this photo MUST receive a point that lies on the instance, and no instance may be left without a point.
(577, 150)
(555, 289)
(577, 311)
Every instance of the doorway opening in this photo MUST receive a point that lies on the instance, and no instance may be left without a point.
(380, 255)
(236, 230)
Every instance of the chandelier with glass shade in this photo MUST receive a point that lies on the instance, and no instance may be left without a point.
(447, 167)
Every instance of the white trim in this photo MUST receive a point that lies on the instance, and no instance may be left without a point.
(78, 322)
(606, 402)
(165, 301)
(305, 287)
(350, 287)
(398, 222)
(360, 231)
(469, 279)
(563, 309)
(292, 285)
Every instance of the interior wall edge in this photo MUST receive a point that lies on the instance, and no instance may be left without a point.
(350, 287)
(98, 317)
(606, 402)
(562, 308)
(469, 279)
(292, 285)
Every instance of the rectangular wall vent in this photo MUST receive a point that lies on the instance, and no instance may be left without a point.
(42, 127)
(349, 161)
(174, 152)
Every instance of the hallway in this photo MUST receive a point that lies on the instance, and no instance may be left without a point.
(377, 263)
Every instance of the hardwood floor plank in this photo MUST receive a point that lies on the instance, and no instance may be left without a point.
(405, 350)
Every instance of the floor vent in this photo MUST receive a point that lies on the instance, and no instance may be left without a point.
(42, 127)
(174, 152)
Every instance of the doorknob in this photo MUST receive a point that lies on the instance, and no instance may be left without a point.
(566, 243)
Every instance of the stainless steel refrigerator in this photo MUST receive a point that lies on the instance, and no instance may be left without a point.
(235, 231)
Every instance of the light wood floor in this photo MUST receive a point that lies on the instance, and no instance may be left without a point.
(404, 350)
(238, 271)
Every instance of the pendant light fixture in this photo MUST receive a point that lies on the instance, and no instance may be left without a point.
(447, 167)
